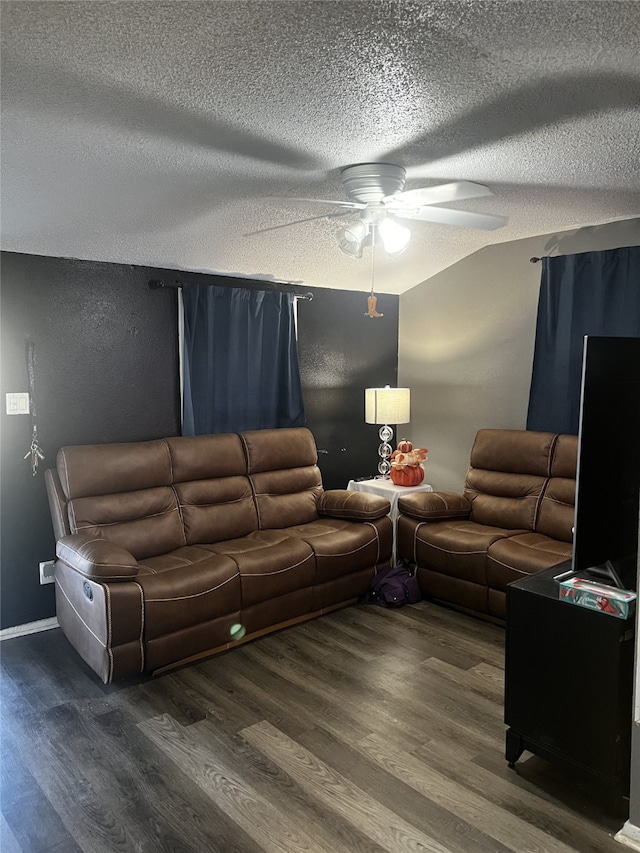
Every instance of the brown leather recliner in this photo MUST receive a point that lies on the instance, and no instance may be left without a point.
(163, 546)
(514, 517)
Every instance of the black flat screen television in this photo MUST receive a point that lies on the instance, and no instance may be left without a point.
(606, 522)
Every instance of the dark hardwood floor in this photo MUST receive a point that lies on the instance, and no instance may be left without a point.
(364, 730)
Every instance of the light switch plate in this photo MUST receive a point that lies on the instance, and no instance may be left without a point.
(18, 403)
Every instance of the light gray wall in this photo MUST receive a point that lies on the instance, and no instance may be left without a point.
(466, 341)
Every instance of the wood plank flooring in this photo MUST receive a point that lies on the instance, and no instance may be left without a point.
(364, 730)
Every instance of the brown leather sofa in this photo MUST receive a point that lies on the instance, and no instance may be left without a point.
(514, 517)
(163, 546)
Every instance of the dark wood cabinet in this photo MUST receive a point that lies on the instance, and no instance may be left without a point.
(569, 684)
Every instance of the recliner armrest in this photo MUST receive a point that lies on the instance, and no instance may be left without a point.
(97, 559)
(356, 506)
(434, 506)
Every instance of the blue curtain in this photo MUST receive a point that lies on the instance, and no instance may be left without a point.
(594, 293)
(240, 361)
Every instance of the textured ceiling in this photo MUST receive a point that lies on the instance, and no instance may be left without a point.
(160, 133)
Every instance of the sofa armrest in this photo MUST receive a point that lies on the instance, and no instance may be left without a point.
(434, 506)
(96, 559)
(356, 506)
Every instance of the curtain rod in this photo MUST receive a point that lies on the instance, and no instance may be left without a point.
(247, 284)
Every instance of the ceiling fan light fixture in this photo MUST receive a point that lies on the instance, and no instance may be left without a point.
(352, 238)
(395, 237)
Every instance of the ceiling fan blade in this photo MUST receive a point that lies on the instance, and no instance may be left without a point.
(461, 218)
(70, 94)
(351, 204)
(455, 191)
(296, 222)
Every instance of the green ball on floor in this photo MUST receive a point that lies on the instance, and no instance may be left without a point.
(237, 631)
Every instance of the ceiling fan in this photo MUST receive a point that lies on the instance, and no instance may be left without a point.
(375, 192)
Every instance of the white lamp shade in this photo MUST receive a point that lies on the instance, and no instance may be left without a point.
(353, 237)
(395, 237)
(387, 405)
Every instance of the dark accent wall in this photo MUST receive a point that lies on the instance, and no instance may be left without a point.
(106, 370)
(342, 351)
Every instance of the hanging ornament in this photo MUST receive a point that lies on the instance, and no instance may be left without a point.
(34, 453)
(372, 299)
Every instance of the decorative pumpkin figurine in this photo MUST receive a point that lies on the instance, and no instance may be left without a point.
(406, 467)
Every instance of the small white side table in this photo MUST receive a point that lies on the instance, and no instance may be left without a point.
(389, 491)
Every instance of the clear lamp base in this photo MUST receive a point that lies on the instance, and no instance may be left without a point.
(385, 450)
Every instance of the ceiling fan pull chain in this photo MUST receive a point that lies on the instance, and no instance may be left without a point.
(372, 300)
(373, 256)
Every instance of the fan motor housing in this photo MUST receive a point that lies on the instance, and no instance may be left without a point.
(371, 182)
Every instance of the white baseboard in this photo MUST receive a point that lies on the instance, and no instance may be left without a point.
(629, 835)
(29, 628)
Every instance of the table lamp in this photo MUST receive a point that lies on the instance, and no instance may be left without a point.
(386, 406)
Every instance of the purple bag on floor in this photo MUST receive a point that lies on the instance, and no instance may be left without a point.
(394, 587)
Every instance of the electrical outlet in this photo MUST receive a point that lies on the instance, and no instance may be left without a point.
(46, 571)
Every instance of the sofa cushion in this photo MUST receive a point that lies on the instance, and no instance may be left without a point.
(456, 548)
(510, 559)
(565, 457)
(201, 457)
(503, 500)
(513, 451)
(278, 449)
(217, 509)
(185, 587)
(286, 480)
(340, 546)
(270, 564)
(507, 474)
(145, 522)
(103, 469)
(557, 509)
(285, 498)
